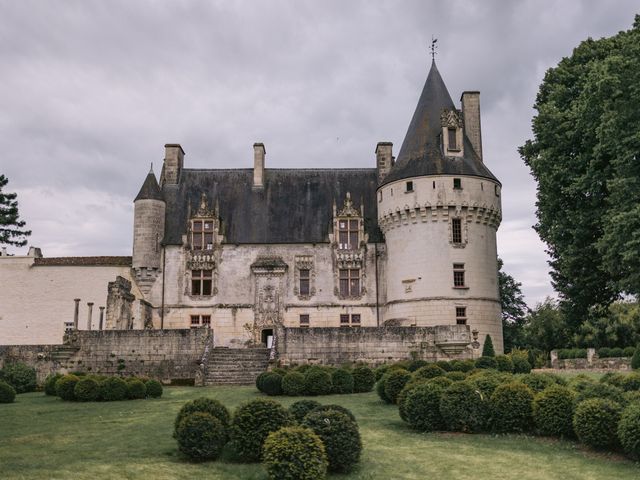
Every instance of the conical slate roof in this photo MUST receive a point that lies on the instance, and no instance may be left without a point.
(421, 153)
(150, 189)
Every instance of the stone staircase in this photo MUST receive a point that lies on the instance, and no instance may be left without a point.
(235, 366)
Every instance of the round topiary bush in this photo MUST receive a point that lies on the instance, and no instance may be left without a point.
(7, 392)
(272, 384)
(295, 453)
(20, 376)
(535, 381)
(206, 405)
(415, 365)
(429, 371)
(342, 381)
(456, 376)
(340, 436)
(444, 364)
(114, 389)
(487, 362)
(339, 408)
(595, 421)
(380, 384)
(511, 405)
(443, 382)
(136, 390)
(631, 382)
(293, 384)
(252, 422)
(601, 390)
(201, 436)
(259, 380)
(86, 390)
(154, 388)
(422, 407)
(629, 430)
(300, 408)
(488, 381)
(410, 386)
(553, 411)
(394, 383)
(520, 363)
(462, 365)
(504, 363)
(65, 387)
(50, 384)
(363, 379)
(381, 370)
(317, 382)
(464, 408)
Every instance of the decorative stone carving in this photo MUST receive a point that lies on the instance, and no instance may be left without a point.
(269, 285)
(451, 119)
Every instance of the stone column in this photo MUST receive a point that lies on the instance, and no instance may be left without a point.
(76, 313)
(101, 318)
(90, 305)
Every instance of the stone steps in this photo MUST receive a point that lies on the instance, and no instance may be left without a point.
(236, 366)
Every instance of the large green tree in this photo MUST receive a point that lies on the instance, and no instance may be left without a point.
(12, 230)
(584, 157)
(514, 309)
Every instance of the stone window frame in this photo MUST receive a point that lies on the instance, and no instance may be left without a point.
(464, 232)
(459, 276)
(200, 321)
(452, 120)
(305, 320)
(462, 314)
(202, 234)
(349, 320)
(201, 279)
(304, 262)
(349, 277)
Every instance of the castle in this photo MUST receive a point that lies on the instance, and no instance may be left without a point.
(245, 252)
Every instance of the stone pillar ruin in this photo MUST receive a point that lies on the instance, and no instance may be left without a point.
(76, 312)
(119, 304)
(89, 315)
(101, 318)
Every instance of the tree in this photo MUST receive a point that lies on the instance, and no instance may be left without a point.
(546, 327)
(514, 309)
(487, 348)
(11, 228)
(584, 159)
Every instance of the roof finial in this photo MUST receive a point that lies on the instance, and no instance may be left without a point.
(433, 47)
(151, 171)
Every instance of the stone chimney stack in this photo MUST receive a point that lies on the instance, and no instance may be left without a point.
(471, 115)
(384, 159)
(258, 165)
(173, 163)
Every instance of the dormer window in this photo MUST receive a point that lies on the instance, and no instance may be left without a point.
(348, 234)
(453, 142)
(202, 234)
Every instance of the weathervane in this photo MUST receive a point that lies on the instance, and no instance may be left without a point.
(433, 47)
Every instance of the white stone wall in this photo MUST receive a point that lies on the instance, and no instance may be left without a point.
(35, 301)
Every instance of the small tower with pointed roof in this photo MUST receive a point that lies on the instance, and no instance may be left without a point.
(439, 209)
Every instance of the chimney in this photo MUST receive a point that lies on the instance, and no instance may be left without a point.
(471, 115)
(173, 163)
(258, 165)
(384, 159)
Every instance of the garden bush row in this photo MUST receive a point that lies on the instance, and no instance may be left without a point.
(96, 388)
(16, 378)
(604, 352)
(304, 442)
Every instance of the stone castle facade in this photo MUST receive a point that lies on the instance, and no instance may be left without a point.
(249, 252)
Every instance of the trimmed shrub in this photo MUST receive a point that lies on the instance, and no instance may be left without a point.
(487, 383)
(456, 376)
(511, 405)
(154, 388)
(595, 421)
(317, 382)
(613, 378)
(553, 410)
(395, 382)
(504, 364)
(443, 382)
(487, 348)
(295, 453)
(464, 408)
(342, 381)
(338, 408)
(631, 397)
(65, 387)
(380, 371)
(86, 390)
(629, 430)
(486, 362)
(410, 386)
(293, 384)
(340, 436)
(520, 364)
(50, 384)
(617, 352)
(201, 436)
(300, 408)
(536, 381)
(631, 382)
(422, 407)
(363, 379)
(629, 351)
(429, 371)
(462, 365)
(114, 389)
(205, 405)
(272, 384)
(280, 371)
(7, 392)
(415, 365)
(136, 389)
(635, 360)
(601, 390)
(252, 422)
(20, 376)
(444, 364)
(380, 384)
(259, 380)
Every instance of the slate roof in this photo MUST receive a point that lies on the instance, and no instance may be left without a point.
(295, 205)
(421, 152)
(83, 261)
(150, 189)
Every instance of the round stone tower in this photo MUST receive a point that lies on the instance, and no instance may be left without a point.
(148, 228)
(439, 208)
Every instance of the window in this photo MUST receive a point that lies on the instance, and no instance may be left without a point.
(352, 320)
(350, 282)
(200, 320)
(456, 230)
(206, 319)
(305, 276)
(355, 320)
(458, 275)
(409, 186)
(452, 137)
(201, 282)
(304, 320)
(347, 234)
(457, 184)
(344, 320)
(202, 235)
(195, 321)
(434, 184)
(461, 315)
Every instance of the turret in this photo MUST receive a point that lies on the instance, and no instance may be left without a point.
(148, 227)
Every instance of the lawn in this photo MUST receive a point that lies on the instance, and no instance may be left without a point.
(45, 438)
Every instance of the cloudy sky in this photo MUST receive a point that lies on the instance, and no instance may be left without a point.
(90, 91)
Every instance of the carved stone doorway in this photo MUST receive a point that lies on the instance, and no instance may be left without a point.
(267, 337)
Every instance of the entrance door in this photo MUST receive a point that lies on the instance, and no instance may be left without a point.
(267, 337)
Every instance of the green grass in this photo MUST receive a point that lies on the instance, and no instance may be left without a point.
(45, 438)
